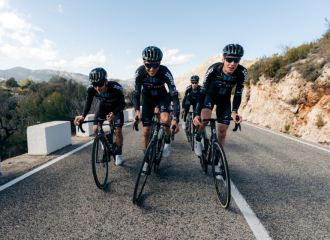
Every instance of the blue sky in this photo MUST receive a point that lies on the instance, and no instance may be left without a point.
(77, 36)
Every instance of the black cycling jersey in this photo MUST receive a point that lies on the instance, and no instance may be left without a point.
(154, 87)
(113, 98)
(218, 85)
(191, 95)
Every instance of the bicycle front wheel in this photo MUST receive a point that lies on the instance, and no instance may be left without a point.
(143, 176)
(204, 158)
(160, 149)
(221, 179)
(192, 132)
(188, 130)
(100, 162)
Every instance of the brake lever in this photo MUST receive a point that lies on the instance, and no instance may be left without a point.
(135, 125)
(80, 126)
(172, 133)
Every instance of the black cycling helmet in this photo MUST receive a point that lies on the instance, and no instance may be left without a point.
(194, 78)
(152, 54)
(233, 50)
(98, 75)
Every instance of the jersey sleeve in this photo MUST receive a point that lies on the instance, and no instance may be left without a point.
(239, 90)
(89, 100)
(119, 92)
(204, 89)
(138, 87)
(169, 80)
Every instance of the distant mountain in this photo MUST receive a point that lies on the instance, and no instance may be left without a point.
(183, 81)
(20, 73)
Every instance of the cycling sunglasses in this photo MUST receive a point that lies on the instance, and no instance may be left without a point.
(98, 84)
(236, 60)
(152, 65)
(194, 82)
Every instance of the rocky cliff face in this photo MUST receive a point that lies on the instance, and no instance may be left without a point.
(183, 81)
(292, 105)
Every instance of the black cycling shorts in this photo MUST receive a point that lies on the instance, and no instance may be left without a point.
(104, 110)
(188, 104)
(149, 104)
(223, 107)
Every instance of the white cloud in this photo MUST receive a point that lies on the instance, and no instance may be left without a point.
(13, 26)
(170, 57)
(9, 51)
(127, 51)
(60, 9)
(99, 59)
(4, 4)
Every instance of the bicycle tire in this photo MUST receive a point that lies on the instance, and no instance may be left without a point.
(188, 130)
(100, 162)
(113, 146)
(142, 179)
(192, 132)
(204, 158)
(222, 185)
(160, 148)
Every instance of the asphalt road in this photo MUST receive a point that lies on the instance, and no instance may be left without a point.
(286, 184)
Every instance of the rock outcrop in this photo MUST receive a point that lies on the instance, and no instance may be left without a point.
(292, 105)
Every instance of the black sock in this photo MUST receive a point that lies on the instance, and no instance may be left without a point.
(198, 137)
(167, 139)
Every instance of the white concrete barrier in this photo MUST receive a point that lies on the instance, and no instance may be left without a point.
(88, 127)
(126, 116)
(46, 138)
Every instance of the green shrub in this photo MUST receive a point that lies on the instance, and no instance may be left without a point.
(281, 73)
(287, 128)
(294, 54)
(313, 76)
(320, 122)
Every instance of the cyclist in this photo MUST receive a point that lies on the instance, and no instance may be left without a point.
(112, 103)
(190, 98)
(153, 77)
(219, 81)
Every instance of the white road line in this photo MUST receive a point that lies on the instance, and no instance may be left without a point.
(254, 223)
(16, 180)
(282, 135)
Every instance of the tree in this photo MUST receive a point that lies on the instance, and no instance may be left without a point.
(12, 83)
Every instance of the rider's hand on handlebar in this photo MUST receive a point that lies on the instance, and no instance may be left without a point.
(233, 115)
(182, 111)
(111, 117)
(196, 121)
(139, 116)
(78, 119)
(177, 127)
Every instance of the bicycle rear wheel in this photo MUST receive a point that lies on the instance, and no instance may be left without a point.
(142, 179)
(222, 180)
(100, 162)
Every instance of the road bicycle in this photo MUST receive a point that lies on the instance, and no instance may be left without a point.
(104, 147)
(152, 156)
(190, 129)
(213, 154)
